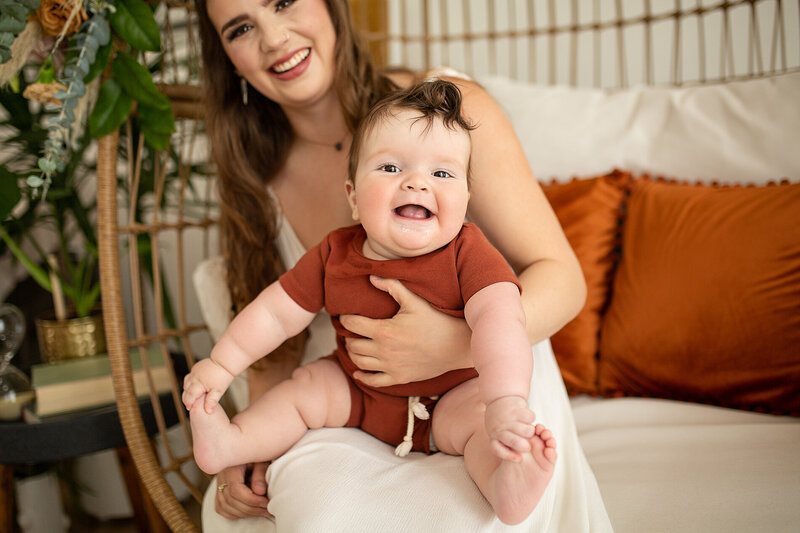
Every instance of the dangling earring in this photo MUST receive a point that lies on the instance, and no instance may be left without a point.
(243, 85)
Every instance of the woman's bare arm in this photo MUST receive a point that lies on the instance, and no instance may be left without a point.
(508, 204)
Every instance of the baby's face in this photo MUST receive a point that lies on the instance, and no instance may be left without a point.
(410, 190)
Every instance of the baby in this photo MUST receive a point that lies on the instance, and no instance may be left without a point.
(408, 187)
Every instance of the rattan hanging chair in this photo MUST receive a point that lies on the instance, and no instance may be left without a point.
(156, 222)
(149, 203)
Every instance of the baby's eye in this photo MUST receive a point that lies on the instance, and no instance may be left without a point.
(390, 168)
(442, 174)
(239, 31)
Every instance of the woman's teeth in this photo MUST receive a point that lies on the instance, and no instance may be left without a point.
(292, 62)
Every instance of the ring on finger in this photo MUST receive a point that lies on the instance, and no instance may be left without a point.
(222, 487)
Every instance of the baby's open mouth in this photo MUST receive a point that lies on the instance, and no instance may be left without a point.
(413, 211)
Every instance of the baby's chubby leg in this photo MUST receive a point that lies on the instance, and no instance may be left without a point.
(512, 486)
(317, 395)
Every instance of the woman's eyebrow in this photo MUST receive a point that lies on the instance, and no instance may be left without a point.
(232, 22)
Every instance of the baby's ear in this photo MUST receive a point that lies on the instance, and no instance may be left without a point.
(350, 190)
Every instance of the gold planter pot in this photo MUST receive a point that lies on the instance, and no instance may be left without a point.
(72, 337)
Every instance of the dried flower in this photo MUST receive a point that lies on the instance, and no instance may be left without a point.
(55, 14)
(43, 92)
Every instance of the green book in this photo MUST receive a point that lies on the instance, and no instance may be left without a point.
(85, 382)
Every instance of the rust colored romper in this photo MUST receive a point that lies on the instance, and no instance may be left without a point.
(335, 275)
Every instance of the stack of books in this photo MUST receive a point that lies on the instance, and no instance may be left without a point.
(83, 383)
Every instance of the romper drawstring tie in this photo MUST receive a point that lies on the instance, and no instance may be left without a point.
(415, 409)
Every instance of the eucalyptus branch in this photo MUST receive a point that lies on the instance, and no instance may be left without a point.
(94, 34)
(16, 13)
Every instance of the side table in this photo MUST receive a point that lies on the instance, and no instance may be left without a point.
(72, 435)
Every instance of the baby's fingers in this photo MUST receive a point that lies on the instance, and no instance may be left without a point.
(504, 453)
(515, 441)
(212, 399)
(192, 390)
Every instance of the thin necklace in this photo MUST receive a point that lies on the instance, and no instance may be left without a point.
(336, 146)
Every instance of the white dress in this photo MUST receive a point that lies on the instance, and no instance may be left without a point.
(342, 479)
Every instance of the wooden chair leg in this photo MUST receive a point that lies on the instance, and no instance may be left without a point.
(145, 514)
(6, 498)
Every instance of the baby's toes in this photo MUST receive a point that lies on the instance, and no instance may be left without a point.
(546, 435)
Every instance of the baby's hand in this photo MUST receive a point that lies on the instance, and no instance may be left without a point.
(509, 423)
(206, 377)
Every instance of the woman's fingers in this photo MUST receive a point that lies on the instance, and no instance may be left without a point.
(236, 499)
(360, 325)
(375, 379)
(419, 342)
(398, 291)
(258, 482)
(369, 327)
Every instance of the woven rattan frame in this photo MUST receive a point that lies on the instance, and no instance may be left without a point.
(757, 38)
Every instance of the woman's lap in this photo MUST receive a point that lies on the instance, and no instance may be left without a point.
(318, 483)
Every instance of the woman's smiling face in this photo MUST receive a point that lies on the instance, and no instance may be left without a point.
(283, 48)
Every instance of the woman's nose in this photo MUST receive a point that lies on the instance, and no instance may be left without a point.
(273, 36)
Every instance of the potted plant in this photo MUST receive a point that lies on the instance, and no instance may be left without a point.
(52, 236)
(91, 63)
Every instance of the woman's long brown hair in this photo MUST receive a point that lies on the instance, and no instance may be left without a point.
(250, 144)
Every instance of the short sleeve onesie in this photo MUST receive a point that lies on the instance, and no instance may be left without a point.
(335, 275)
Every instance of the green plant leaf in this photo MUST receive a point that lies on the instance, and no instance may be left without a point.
(100, 62)
(19, 114)
(157, 125)
(30, 4)
(111, 109)
(12, 25)
(134, 22)
(137, 81)
(36, 272)
(9, 192)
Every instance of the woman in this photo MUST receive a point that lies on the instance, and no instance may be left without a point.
(286, 82)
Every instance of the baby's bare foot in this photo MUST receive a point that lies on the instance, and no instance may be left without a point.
(208, 432)
(518, 486)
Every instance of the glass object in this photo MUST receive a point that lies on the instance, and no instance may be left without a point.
(15, 387)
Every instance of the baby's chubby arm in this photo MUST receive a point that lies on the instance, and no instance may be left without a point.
(261, 327)
(502, 355)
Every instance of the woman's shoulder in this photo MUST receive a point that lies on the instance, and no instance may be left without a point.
(404, 77)
(448, 73)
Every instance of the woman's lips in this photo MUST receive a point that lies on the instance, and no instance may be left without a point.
(292, 67)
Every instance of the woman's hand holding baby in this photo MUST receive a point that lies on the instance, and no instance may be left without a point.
(388, 355)
(206, 378)
(509, 423)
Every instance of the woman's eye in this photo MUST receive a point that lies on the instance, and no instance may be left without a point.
(390, 168)
(239, 31)
(442, 174)
(283, 4)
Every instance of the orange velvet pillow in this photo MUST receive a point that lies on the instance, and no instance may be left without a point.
(706, 298)
(589, 211)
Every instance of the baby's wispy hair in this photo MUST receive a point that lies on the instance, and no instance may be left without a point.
(434, 99)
